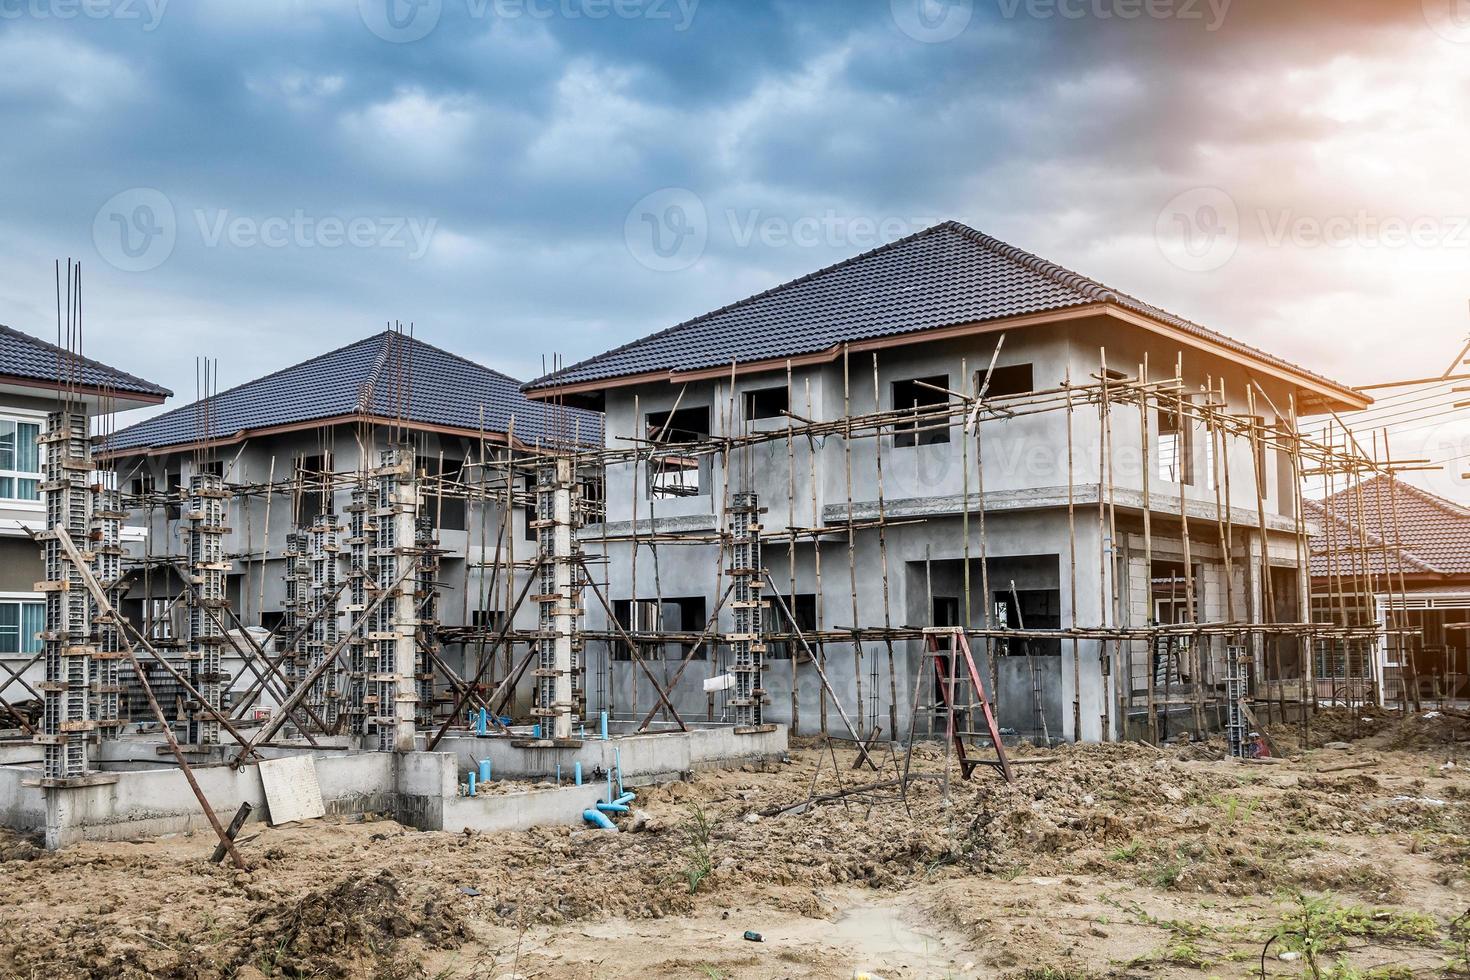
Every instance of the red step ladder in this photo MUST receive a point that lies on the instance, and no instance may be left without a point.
(946, 675)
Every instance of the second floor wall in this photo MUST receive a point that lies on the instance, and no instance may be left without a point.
(1162, 447)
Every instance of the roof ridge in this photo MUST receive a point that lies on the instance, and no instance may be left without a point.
(250, 383)
(465, 360)
(1088, 287)
(1433, 499)
(1404, 551)
(1078, 289)
(53, 348)
(1428, 497)
(367, 388)
(850, 260)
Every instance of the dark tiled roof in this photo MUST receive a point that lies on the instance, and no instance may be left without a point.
(943, 276)
(24, 356)
(388, 375)
(1431, 536)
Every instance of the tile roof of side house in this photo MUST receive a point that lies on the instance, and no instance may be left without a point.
(947, 275)
(373, 377)
(1431, 535)
(29, 358)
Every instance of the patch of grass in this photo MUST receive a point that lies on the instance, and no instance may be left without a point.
(1235, 809)
(1125, 853)
(698, 864)
(1166, 873)
(1318, 928)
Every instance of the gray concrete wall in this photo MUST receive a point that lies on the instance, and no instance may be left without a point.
(503, 812)
(259, 527)
(132, 800)
(1020, 493)
(653, 757)
(22, 807)
(137, 804)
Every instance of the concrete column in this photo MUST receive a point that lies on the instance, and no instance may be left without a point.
(405, 621)
(565, 618)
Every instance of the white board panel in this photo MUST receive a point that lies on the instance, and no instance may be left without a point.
(291, 789)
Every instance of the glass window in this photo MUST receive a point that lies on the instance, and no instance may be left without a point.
(9, 627)
(20, 622)
(20, 460)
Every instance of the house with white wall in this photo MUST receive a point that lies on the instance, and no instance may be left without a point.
(306, 432)
(1029, 519)
(34, 376)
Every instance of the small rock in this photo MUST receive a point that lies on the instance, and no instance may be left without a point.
(1173, 794)
(1098, 932)
(642, 822)
(752, 818)
(1337, 746)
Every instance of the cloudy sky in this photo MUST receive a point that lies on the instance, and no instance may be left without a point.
(522, 179)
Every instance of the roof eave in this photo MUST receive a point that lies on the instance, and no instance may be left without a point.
(140, 398)
(1322, 395)
(244, 434)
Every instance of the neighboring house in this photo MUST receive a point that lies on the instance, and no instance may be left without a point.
(1387, 550)
(930, 308)
(33, 376)
(335, 413)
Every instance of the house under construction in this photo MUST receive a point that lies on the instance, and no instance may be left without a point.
(876, 502)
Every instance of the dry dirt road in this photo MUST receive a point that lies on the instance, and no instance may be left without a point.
(1107, 861)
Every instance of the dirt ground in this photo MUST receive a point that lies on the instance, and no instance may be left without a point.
(1099, 861)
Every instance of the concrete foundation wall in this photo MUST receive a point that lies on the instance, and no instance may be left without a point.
(137, 804)
(520, 811)
(649, 758)
(22, 807)
(420, 789)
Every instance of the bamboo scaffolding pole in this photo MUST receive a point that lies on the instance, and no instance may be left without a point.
(791, 544)
(883, 570)
(857, 647)
(1191, 605)
(1146, 440)
(1072, 563)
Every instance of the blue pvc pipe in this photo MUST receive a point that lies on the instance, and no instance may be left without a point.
(472, 784)
(624, 800)
(482, 722)
(600, 819)
(577, 772)
(558, 774)
(604, 726)
(484, 770)
(618, 765)
(612, 808)
(536, 731)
